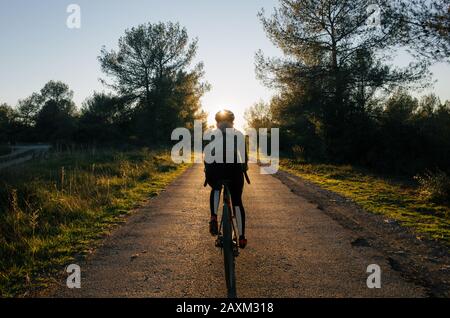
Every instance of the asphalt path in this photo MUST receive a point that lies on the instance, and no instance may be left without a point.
(294, 250)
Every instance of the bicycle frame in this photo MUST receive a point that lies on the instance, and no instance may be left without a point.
(228, 237)
(228, 241)
(233, 221)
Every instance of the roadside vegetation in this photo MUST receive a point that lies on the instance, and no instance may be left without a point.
(418, 205)
(340, 100)
(55, 210)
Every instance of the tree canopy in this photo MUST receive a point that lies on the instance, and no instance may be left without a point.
(152, 66)
(337, 89)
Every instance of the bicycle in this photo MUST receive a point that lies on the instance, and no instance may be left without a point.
(227, 238)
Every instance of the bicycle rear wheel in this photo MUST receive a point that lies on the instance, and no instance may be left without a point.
(228, 253)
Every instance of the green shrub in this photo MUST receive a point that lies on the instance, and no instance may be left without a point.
(434, 186)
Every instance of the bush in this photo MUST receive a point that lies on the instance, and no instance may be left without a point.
(435, 186)
(298, 152)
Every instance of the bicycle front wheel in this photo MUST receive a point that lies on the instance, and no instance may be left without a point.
(228, 253)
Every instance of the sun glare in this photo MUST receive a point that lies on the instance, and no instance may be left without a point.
(239, 122)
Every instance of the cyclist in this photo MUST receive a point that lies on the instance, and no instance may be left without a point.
(232, 171)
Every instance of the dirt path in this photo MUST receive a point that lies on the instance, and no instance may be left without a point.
(295, 250)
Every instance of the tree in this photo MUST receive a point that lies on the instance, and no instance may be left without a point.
(424, 26)
(56, 118)
(8, 122)
(259, 115)
(48, 115)
(151, 67)
(105, 118)
(413, 135)
(28, 109)
(400, 107)
(333, 65)
(59, 93)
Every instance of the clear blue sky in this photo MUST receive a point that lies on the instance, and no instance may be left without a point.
(36, 45)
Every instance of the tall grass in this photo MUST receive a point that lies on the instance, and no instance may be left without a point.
(51, 211)
(401, 200)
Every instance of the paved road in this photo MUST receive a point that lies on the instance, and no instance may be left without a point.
(295, 250)
(21, 154)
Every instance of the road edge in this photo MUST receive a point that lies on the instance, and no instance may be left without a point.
(423, 262)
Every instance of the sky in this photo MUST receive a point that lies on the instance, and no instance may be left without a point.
(37, 46)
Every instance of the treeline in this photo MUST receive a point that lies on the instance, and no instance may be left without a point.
(400, 134)
(156, 89)
(340, 99)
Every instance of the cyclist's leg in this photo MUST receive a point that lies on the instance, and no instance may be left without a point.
(214, 199)
(212, 178)
(236, 190)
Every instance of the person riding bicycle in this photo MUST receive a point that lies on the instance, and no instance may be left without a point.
(233, 171)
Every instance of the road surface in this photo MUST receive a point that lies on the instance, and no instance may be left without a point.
(295, 250)
(21, 154)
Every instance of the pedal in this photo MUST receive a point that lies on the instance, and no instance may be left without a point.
(235, 248)
(219, 242)
(235, 252)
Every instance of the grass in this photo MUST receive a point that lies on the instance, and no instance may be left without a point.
(56, 210)
(398, 200)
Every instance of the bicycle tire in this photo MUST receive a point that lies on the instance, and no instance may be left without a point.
(228, 253)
